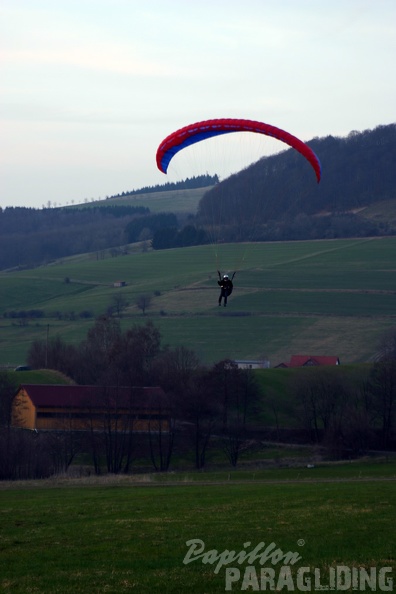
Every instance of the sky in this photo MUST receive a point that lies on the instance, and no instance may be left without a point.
(89, 88)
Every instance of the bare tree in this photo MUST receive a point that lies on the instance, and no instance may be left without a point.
(111, 428)
(237, 391)
(161, 439)
(98, 353)
(320, 394)
(386, 349)
(306, 396)
(26, 457)
(176, 369)
(383, 388)
(181, 373)
(138, 351)
(361, 415)
(118, 304)
(63, 446)
(202, 410)
(53, 353)
(243, 395)
(7, 393)
(143, 302)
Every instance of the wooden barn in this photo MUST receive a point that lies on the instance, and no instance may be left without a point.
(86, 408)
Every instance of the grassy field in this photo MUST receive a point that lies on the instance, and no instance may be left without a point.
(129, 534)
(384, 211)
(178, 201)
(330, 297)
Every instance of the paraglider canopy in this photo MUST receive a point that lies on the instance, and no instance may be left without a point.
(193, 133)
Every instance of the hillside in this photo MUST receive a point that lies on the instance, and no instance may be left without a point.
(30, 237)
(181, 202)
(328, 297)
(41, 376)
(277, 198)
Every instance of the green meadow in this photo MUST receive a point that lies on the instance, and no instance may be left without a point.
(329, 297)
(130, 534)
(178, 201)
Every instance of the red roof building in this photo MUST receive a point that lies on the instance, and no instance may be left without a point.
(310, 361)
(69, 407)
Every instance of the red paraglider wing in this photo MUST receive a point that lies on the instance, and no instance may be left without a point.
(193, 133)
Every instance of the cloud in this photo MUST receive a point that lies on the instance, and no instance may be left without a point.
(99, 57)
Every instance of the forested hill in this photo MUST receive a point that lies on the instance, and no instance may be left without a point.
(357, 171)
(277, 198)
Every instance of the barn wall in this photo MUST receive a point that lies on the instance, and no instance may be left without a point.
(23, 411)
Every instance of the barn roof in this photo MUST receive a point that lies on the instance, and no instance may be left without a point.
(71, 396)
(305, 360)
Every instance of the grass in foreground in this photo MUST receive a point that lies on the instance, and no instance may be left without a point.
(125, 537)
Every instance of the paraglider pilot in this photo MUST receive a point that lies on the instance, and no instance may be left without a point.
(226, 286)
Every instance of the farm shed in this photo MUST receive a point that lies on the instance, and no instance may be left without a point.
(250, 364)
(82, 408)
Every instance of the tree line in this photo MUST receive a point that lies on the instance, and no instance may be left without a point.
(211, 408)
(190, 183)
(29, 237)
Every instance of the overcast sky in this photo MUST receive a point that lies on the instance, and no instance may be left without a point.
(89, 88)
